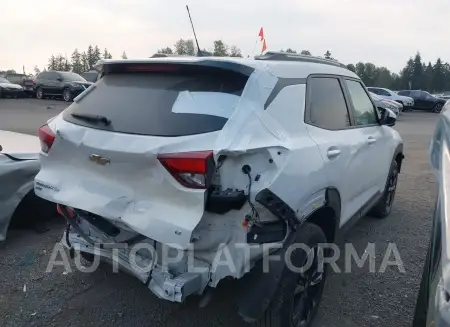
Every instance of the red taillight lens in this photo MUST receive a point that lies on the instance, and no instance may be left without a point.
(191, 169)
(60, 211)
(47, 137)
(150, 68)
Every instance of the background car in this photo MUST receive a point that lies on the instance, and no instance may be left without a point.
(433, 299)
(19, 163)
(26, 81)
(406, 101)
(424, 100)
(90, 76)
(444, 95)
(55, 83)
(9, 89)
(385, 104)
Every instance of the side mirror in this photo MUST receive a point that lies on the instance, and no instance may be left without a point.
(387, 116)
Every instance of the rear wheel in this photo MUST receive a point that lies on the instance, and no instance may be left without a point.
(383, 208)
(39, 93)
(298, 296)
(438, 107)
(67, 95)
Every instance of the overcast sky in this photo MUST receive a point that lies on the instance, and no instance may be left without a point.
(385, 32)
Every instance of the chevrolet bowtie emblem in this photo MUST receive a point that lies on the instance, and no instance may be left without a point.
(99, 159)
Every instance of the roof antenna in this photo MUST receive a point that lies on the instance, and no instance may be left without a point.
(199, 52)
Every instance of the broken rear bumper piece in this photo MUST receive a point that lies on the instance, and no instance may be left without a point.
(173, 282)
(164, 284)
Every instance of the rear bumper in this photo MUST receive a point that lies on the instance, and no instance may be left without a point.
(12, 92)
(166, 284)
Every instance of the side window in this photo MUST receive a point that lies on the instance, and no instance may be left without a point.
(364, 110)
(385, 93)
(416, 94)
(328, 108)
(42, 76)
(51, 76)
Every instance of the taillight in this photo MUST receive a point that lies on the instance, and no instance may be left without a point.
(191, 169)
(150, 68)
(59, 209)
(47, 137)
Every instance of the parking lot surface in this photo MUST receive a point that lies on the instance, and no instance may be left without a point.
(31, 297)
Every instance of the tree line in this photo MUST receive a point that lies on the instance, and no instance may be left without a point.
(78, 62)
(187, 47)
(417, 74)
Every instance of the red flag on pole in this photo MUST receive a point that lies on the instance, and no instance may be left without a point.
(261, 34)
(264, 46)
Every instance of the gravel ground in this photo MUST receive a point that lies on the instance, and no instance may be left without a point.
(31, 297)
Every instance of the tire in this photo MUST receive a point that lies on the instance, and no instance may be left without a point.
(89, 257)
(290, 301)
(67, 95)
(39, 93)
(1, 94)
(437, 108)
(383, 208)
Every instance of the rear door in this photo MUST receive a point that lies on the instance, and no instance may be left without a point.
(377, 158)
(116, 170)
(419, 99)
(43, 81)
(56, 83)
(343, 148)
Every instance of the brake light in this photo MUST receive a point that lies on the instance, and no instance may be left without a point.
(151, 68)
(191, 169)
(47, 137)
(61, 212)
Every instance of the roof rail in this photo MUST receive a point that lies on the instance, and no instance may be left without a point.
(203, 53)
(286, 56)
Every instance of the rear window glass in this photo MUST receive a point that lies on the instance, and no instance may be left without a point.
(161, 104)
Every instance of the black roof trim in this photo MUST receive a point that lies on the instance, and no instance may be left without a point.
(285, 56)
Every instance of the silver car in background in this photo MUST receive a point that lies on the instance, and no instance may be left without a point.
(19, 164)
(395, 107)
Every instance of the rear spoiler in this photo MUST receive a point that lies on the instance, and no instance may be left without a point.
(105, 67)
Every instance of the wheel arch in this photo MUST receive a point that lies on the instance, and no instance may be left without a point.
(398, 156)
(257, 288)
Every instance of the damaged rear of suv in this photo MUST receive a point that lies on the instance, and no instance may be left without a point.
(188, 171)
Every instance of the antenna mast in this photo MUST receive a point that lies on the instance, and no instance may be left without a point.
(199, 52)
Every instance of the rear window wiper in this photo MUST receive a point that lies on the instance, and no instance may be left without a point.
(93, 118)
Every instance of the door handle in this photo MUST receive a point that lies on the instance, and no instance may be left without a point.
(371, 140)
(333, 153)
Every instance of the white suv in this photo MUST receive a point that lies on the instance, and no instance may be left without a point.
(199, 156)
(407, 102)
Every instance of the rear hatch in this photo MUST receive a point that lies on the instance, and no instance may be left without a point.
(136, 148)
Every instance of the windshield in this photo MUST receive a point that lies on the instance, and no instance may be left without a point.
(72, 77)
(162, 104)
(3, 80)
(374, 96)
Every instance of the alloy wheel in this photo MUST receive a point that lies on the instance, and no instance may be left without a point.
(308, 290)
(438, 107)
(392, 186)
(39, 93)
(66, 95)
